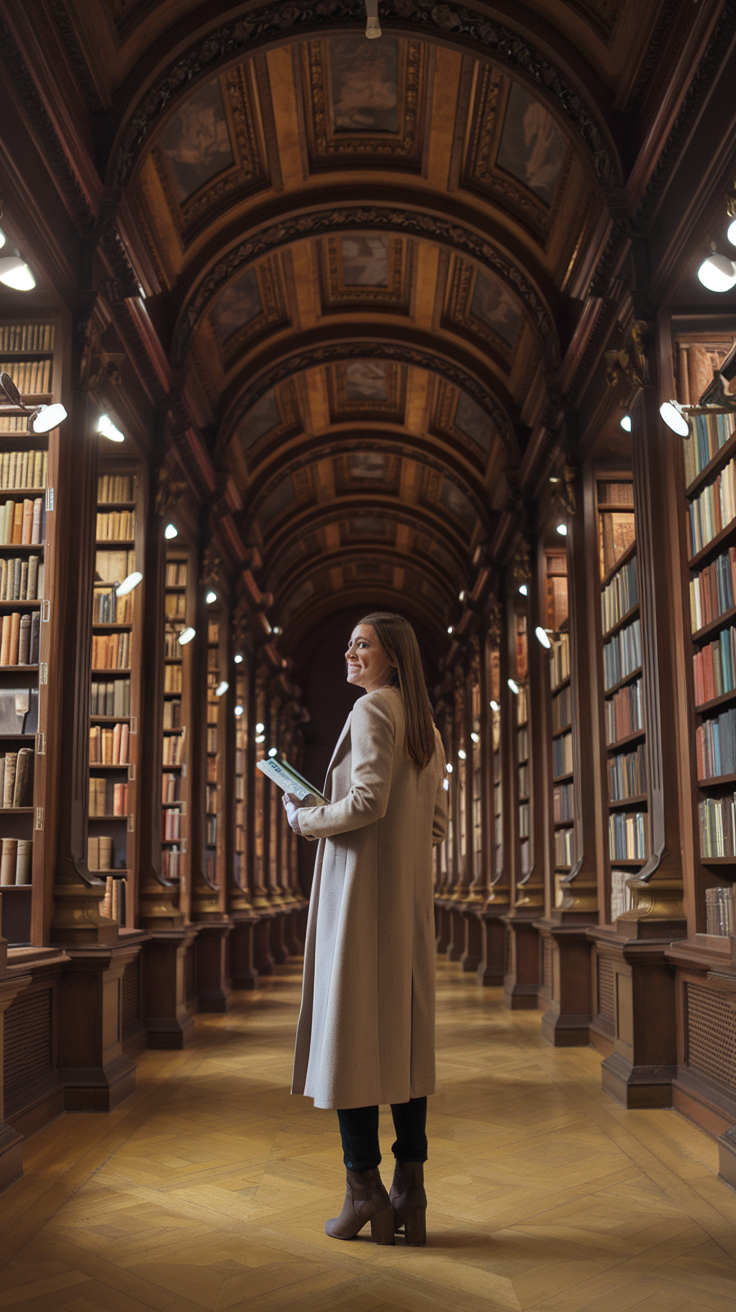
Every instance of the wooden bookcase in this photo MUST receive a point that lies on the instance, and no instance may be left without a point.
(523, 754)
(116, 688)
(29, 354)
(240, 851)
(494, 686)
(625, 800)
(213, 863)
(476, 764)
(179, 604)
(556, 621)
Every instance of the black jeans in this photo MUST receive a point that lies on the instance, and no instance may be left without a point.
(359, 1134)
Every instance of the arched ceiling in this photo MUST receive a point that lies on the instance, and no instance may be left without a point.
(369, 257)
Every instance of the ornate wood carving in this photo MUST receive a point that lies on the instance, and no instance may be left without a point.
(458, 313)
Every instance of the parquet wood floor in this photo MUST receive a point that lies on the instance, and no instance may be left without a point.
(208, 1188)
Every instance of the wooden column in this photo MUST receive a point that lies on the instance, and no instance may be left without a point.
(458, 793)
(477, 889)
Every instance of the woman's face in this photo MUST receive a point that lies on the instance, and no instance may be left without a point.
(368, 664)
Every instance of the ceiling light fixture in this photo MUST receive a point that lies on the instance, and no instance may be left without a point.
(542, 636)
(462, 595)
(450, 629)
(211, 596)
(717, 272)
(373, 26)
(108, 429)
(675, 418)
(513, 685)
(626, 423)
(238, 658)
(523, 590)
(186, 636)
(171, 531)
(222, 688)
(129, 583)
(15, 273)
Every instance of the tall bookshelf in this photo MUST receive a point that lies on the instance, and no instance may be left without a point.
(494, 685)
(522, 740)
(115, 692)
(175, 784)
(240, 775)
(28, 479)
(214, 836)
(476, 759)
(556, 620)
(626, 797)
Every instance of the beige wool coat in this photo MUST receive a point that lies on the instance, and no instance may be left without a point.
(366, 1026)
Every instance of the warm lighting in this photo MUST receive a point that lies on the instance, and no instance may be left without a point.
(554, 478)
(450, 629)
(731, 233)
(462, 595)
(2, 239)
(273, 751)
(523, 590)
(186, 636)
(513, 685)
(108, 429)
(562, 530)
(446, 785)
(15, 273)
(494, 705)
(260, 728)
(277, 631)
(626, 423)
(238, 659)
(675, 418)
(129, 583)
(475, 737)
(222, 688)
(462, 755)
(260, 737)
(48, 417)
(542, 636)
(171, 531)
(211, 596)
(717, 272)
(448, 768)
(373, 26)
(238, 710)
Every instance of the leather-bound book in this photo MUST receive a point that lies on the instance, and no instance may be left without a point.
(23, 867)
(24, 639)
(17, 537)
(37, 522)
(32, 578)
(23, 787)
(33, 652)
(8, 861)
(27, 524)
(5, 641)
(14, 634)
(11, 761)
(106, 852)
(93, 853)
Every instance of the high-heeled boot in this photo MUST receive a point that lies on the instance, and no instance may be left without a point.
(365, 1200)
(409, 1202)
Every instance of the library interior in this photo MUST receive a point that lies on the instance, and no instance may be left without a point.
(308, 309)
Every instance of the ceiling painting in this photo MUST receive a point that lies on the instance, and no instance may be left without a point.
(457, 417)
(276, 415)
(367, 471)
(249, 308)
(363, 389)
(365, 270)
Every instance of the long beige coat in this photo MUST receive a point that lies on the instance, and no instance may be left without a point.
(366, 1026)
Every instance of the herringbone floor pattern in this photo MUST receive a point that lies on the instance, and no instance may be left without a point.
(209, 1187)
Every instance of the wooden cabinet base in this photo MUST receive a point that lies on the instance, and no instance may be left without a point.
(443, 928)
(456, 945)
(566, 953)
(492, 965)
(214, 990)
(279, 950)
(473, 951)
(634, 991)
(262, 944)
(523, 978)
(243, 973)
(168, 1020)
(95, 1072)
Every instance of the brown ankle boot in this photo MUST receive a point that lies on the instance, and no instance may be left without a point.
(365, 1200)
(409, 1202)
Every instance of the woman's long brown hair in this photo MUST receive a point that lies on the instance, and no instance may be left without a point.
(399, 642)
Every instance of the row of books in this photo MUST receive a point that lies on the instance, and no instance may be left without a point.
(16, 858)
(172, 649)
(111, 651)
(176, 573)
(712, 590)
(617, 533)
(559, 667)
(627, 775)
(114, 566)
(622, 654)
(21, 579)
(211, 831)
(618, 596)
(175, 605)
(19, 638)
(522, 706)
(522, 744)
(562, 709)
(714, 667)
(174, 748)
(563, 803)
(171, 825)
(170, 788)
(524, 820)
(172, 714)
(101, 852)
(22, 522)
(708, 433)
(210, 800)
(171, 862)
(115, 526)
(116, 487)
(211, 738)
(720, 912)
(110, 697)
(562, 755)
(31, 377)
(713, 510)
(109, 608)
(27, 337)
(108, 746)
(212, 771)
(627, 836)
(717, 820)
(565, 847)
(23, 469)
(624, 712)
(715, 745)
(112, 905)
(622, 898)
(107, 798)
(172, 678)
(16, 778)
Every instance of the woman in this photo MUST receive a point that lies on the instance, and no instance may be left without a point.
(366, 1027)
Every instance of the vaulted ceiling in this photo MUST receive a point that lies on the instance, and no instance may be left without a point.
(369, 257)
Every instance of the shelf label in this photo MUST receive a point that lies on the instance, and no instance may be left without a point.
(131, 770)
(49, 498)
(45, 611)
(183, 807)
(183, 846)
(134, 724)
(43, 672)
(131, 823)
(39, 817)
(40, 744)
(184, 770)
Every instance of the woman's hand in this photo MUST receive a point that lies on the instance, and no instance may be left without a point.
(291, 806)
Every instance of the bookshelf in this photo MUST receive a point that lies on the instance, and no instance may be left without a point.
(28, 478)
(522, 739)
(240, 859)
(214, 846)
(556, 621)
(476, 761)
(494, 685)
(626, 799)
(175, 783)
(115, 689)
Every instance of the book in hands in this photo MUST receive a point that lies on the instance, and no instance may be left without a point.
(291, 781)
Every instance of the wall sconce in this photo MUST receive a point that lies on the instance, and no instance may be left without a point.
(542, 635)
(129, 583)
(238, 658)
(186, 636)
(717, 272)
(513, 685)
(41, 418)
(222, 688)
(171, 531)
(15, 273)
(211, 596)
(107, 428)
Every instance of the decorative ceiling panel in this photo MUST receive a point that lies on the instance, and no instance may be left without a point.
(248, 308)
(367, 389)
(367, 470)
(459, 419)
(365, 271)
(275, 415)
(482, 305)
(365, 102)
